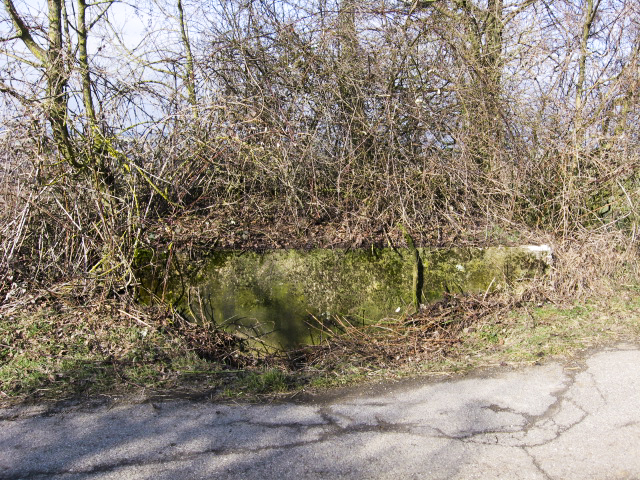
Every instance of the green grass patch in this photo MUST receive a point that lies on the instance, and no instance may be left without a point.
(531, 333)
(268, 381)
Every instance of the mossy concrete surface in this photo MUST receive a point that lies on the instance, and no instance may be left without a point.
(476, 270)
(280, 294)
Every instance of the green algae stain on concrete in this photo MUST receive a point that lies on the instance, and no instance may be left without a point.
(282, 292)
(277, 294)
(475, 270)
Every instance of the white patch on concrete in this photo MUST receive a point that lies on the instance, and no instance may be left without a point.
(543, 252)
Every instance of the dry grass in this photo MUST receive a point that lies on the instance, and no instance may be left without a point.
(51, 349)
(594, 264)
(434, 329)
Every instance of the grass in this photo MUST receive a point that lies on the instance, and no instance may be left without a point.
(262, 382)
(530, 334)
(50, 353)
(527, 335)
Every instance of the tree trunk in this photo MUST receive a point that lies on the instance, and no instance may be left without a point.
(83, 60)
(57, 83)
(591, 9)
(350, 80)
(190, 79)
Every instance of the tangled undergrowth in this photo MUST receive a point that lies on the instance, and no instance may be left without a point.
(430, 332)
(326, 128)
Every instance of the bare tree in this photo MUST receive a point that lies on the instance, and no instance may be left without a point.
(50, 59)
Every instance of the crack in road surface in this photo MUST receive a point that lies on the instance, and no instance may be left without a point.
(542, 422)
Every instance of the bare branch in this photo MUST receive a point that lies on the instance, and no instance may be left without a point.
(23, 32)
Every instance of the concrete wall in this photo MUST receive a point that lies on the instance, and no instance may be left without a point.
(282, 291)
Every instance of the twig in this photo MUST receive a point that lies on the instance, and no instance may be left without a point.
(135, 318)
(488, 288)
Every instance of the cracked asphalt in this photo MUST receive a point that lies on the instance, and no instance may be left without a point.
(574, 420)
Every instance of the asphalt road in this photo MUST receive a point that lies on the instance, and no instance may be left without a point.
(575, 420)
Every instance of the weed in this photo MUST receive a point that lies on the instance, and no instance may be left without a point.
(489, 334)
(268, 381)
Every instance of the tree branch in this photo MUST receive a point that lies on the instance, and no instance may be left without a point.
(23, 32)
(4, 88)
(510, 16)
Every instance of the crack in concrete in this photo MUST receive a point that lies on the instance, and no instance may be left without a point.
(536, 464)
(533, 422)
(596, 387)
